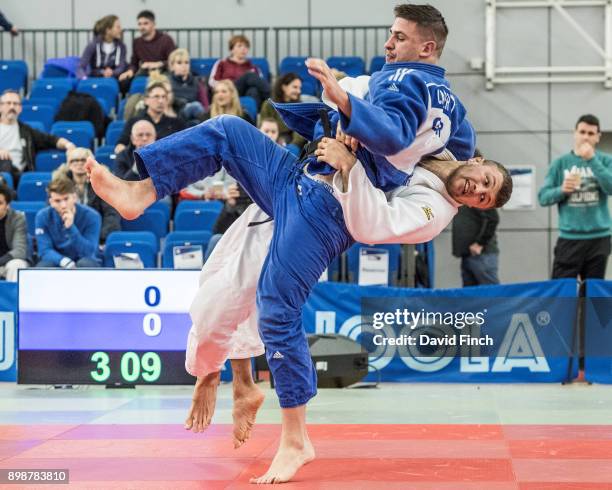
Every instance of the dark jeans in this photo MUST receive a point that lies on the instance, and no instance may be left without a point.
(85, 262)
(479, 269)
(253, 85)
(584, 258)
(7, 166)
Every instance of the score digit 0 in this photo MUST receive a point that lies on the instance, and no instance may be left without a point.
(151, 323)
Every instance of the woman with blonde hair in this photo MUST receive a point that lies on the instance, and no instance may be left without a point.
(188, 89)
(225, 100)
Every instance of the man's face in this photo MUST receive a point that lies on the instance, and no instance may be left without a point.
(405, 42)
(240, 51)
(157, 100)
(586, 133)
(143, 134)
(146, 27)
(63, 202)
(475, 184)
(270, 129)
(3, 206)
(10, 107)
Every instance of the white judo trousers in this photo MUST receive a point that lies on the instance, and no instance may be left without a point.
(223, 312)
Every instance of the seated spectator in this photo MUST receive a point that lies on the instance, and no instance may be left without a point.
(287, 88)
(67, 233)
(105, 55)
(208, 189)
(156, 102)
(149, 51)
(186, 88)
(18, 141)
(269, 127)
(143, 134)
(13, 237)
(225, 101)
(75, 169)
(239, 69)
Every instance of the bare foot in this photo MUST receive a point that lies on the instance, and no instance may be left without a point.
(247, 401)
(288, 460)
(203, 403)
(129, 198)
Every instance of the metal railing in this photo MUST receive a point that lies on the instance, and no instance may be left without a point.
(35, 46)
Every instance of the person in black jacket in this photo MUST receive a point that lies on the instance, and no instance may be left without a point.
(475, 242)
(18, 141)
(142, 134)
(7, 25)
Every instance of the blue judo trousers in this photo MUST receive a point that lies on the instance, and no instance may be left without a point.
(309, 230)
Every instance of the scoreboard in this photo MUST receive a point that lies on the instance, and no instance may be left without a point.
(104, 326)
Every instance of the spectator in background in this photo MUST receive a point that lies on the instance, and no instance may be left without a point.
(105, 55)
(13, 237)
(579, 182)
(239, 69)
(18, 141)
(157, 104)
(75, 169)
(150, 51)
(269, 127)
(142, 134)
(225, 101)
(187, 89)
(287, 88)
(475, 242)
(67, 233)
(7, 26)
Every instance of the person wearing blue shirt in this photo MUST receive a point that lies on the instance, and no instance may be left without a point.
(67, 233)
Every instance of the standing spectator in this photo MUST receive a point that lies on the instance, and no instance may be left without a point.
(67, 233)
(475, 242)
(105, 55)
(579, 182)
(186, 88)
(18, 141)
(225, 101)
(13, 240)
(156, 101)
(143, 134)
(75, 169)
(287, 89)
(7, 26)
(239, 69)
(150, 51)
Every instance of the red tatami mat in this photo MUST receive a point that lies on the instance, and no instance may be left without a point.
(351, 457)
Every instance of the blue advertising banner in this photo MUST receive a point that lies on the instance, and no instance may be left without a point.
(509, 333)
(8, 331)
(598, 331)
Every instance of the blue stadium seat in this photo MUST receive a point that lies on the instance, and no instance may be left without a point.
(56, 88)
(163, 206)
(353, 66)
(250, 106)
(182, 238)
(121, 109)
(144, 243)
(333, 270)
(196, 219)
(49, 160)
(41, 113)
(263, 65)
(113, 131)
(37, 125)
(394, 261)
(8, 179)
(33, 186)
(296, 64)
(104, 105)
(154, 220)
(208, 205)
(202, 66)
(81, 133)
(29, 208)
(50, 101)
(104, 88)
(65, 67)
(106, 155)
(138, 85)
(11, 77)
(376, 63)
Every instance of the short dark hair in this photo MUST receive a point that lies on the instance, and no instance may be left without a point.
(6, 191)
(153, 85)
(427, 18)
(589, 119)
(505, 191)
(286, 79)
(147, 14)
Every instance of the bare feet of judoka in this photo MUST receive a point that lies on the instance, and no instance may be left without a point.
(203, 403)
(247, 400)
(129, 198)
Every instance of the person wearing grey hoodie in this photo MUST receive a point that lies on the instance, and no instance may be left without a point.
(13, 241)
